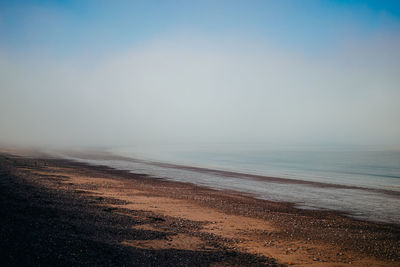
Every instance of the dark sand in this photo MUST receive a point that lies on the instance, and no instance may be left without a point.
(60, 213)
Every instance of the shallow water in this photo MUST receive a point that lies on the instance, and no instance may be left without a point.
(368, 181)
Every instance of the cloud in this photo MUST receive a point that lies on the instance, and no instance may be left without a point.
(205, 90)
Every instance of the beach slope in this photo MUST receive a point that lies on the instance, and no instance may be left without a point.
(59, 212)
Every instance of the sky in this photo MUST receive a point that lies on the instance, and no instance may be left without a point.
(112, 73)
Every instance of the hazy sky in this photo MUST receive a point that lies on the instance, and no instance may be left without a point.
(125, 72)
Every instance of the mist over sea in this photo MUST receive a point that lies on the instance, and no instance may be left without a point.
(365, 183)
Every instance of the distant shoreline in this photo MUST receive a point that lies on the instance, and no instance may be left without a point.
(110, 156)
(263, 187)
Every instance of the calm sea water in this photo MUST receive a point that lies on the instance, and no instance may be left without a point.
(368, 180)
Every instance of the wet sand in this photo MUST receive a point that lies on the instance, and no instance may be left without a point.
(58, 212)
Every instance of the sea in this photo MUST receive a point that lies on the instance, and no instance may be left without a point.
(363, 183)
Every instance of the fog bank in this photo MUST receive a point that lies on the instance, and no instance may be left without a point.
(196, 90)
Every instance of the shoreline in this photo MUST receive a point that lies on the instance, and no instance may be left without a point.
(314, 195)
(235, 174)
(215, 222)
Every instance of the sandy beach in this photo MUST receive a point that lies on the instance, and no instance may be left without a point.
(59, 212)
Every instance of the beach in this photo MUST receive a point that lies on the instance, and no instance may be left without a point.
(62, 212)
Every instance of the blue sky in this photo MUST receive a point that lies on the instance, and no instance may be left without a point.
(84, 27)
(123, 72)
